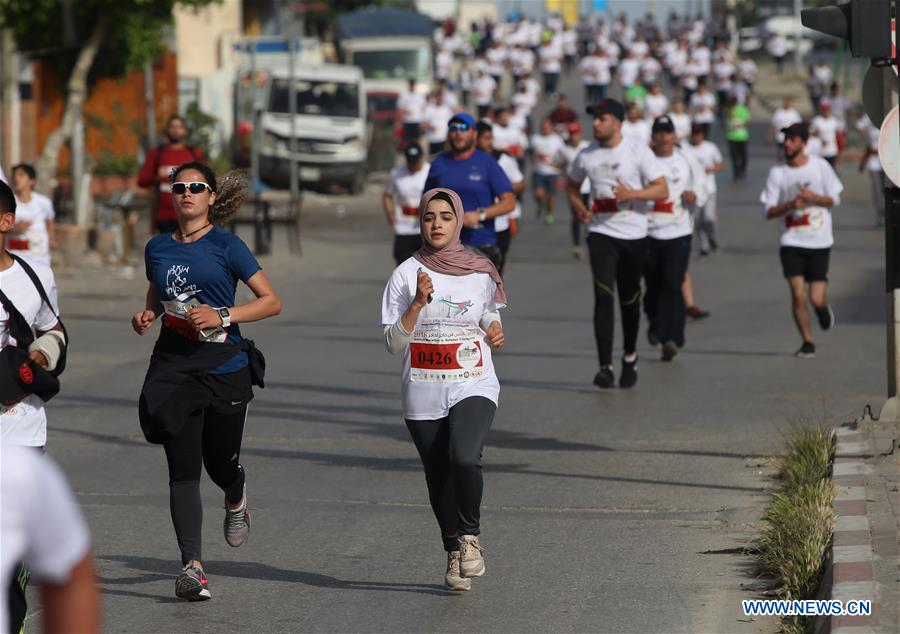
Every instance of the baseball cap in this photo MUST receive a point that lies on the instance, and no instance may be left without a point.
(696, 128)
(463, 117)
(607, 106)
(413, 152)
(663, 124)
(574, 127)
(796, 129)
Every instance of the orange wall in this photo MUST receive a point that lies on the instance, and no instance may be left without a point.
(117, 103)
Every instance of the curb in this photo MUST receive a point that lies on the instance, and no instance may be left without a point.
(849, 571)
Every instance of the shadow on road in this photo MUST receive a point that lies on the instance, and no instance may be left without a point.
(256, 571)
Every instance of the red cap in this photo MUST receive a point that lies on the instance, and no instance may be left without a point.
(574, 127)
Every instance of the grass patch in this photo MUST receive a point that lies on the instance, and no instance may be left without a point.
(799, 519)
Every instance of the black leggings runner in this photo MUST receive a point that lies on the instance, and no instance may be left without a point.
(616, 262)
(211, 438)
(451, 449)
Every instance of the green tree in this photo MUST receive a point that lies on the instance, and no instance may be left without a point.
(84, 40)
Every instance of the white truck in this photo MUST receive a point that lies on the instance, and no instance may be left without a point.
(330, 125)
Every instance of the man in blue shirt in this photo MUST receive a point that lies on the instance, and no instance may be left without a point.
(479, 181)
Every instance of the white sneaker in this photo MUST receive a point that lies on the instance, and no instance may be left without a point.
(453, 579)
(471, 562)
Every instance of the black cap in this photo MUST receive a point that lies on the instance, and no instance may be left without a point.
(796, 129)
(413, 153)
(663, 124)
(608, 106)
(697, 128)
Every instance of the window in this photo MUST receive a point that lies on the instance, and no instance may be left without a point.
(333, 99)
(398, 64)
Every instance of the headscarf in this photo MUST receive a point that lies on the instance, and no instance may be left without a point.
(454, 258)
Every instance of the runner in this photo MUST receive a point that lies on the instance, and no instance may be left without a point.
(703, 104)
(436, 115)
(401, 202)
(32, 346)
(799, 192)
(623, 173)
(827, 127)
(546, 146)
(783, 117)
(159, 164)
(484, 90)
(670, 227)
(199, 384)
(737, 116)
(682, 121)
(635, 126)
(656, 103)
(550, 57)
(507, 137)
(711, 159)
(506, 226)
(480, 183)
(872, 164)
(566, 158)
(34, 235)
(449, 389)
(411, 105)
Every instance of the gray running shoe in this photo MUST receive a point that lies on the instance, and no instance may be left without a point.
(471, 559)
(453, 579)
(237, 524)
(192, 584)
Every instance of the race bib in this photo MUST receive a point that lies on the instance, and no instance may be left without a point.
(175, 318)
(809, 219)
(444, 352)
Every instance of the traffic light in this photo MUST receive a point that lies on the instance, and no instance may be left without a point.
(866, 24)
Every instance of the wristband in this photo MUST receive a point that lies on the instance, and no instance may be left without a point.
(482, 214)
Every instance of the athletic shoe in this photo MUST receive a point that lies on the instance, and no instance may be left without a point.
(453, 579)
(471, 560)
(192, 584)
(237, 524)
(826, 317)
(629, 376)
(806, 351)
(692, 313)
(605, 377)
(669, 350)
(652, 339)
(577, 253)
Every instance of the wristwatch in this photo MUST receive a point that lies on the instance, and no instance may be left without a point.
(482, 214)
(225, 314)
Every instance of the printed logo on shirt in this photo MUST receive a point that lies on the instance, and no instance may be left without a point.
(475, 176)
(455, 309)
(177, 282)
(26, 374)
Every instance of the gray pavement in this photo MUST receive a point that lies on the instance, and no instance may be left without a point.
(615, 511)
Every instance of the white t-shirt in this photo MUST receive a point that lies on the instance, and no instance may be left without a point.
(566, 158)
(570, 42)
(777, 46)
(522, 61)
(670, 219)
(703, 56)
(709, 156)
(510, 167)
(639, 130)
(629, 68)
(435, 119)
(407, 188)
(40, 523)
(723, 72)
(483, 90)
(510, 139)
(865, 127)
(682, 123)
(630, 162)
(655, 105)
(546, 148)
(412, 104)
(823, 73)
(827, 128)
(3, 176)
(639, 48)
(813, 147)
(550, 58)
(783, 118)
(524, 101)
(532, 86)
(703, 106)
(810, 227)
(650, 70)
(443, 62)
(692, 71)
(495, 59)
(747, 70)
(34, 242)
(448, 359)
(25, 423)
(676, 61)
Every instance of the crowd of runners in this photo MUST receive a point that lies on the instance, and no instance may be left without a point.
(636, 174)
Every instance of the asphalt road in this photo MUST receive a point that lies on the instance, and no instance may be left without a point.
(613, 511)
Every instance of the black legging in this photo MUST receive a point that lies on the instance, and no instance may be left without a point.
(667, 263)
(738, 158)
(451, 449)
(616, 262)
(504, 239)
(211, 438)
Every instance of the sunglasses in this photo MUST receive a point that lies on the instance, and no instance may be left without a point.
(195, 187)
(459, 127)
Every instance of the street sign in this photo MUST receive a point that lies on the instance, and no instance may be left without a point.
(889, 146)
(877, 77)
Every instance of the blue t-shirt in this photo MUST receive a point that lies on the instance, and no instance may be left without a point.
(207, 270)
(479, 181)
